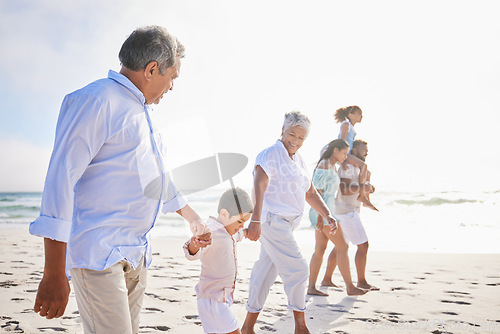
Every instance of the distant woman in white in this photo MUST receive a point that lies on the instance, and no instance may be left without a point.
(282, 185)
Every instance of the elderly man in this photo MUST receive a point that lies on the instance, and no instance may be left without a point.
(97, 209)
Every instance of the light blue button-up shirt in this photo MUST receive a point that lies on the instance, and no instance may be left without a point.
(96, 196)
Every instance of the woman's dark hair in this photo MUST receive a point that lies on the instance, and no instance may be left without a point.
(339, 144)
(342, 113)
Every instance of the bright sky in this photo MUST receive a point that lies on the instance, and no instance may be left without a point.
(425, 73)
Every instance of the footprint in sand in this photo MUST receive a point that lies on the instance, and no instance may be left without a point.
(7, 284)
(161, 298)
(153, 309)
(51, 329)
(191, 318)
(268, 328)
(155, 329)
(12, 326)
(458, 294)
(450, 313)
(459, 302)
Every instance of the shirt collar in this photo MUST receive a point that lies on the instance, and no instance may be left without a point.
(282, 147)
(215, 225)
(124, 81)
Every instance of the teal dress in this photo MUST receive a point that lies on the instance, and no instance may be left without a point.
(328, 181)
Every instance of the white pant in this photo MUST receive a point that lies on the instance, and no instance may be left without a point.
(352, 227)
(110, 300)
(216, 317)
(279, 254)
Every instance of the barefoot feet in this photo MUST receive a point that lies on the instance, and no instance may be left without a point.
(355, 291)
(329, 283)
(366, 286)
(315, 292)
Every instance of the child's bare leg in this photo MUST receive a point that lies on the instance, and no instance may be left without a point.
(300, 323)
(364, 193)
(249, 323)
(362, 179)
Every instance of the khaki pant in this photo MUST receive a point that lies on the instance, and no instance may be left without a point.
(110, 301)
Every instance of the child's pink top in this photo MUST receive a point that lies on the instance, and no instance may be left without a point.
(219, 266)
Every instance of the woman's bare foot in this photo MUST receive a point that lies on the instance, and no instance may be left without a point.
(315, 292)
(367, 286)
(355, 291)
(329, 283)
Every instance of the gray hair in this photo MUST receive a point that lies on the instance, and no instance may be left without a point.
(296, 118)
(147, 44)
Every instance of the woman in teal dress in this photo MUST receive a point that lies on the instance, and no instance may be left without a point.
(326, 180)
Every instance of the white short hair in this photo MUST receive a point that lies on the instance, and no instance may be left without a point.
(296, 118)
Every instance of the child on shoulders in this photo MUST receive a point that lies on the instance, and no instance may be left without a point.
(348, 117)
(219, 262)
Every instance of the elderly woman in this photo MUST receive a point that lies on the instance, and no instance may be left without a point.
(282, 185)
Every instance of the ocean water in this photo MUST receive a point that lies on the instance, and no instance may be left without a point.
(442, 222)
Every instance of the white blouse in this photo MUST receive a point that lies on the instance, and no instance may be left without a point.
(288, 183)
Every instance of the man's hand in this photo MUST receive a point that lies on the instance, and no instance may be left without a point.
(198, 227)
(52, 296)
(53, 292)
(253, 231)
(196, 224)
(201, 233)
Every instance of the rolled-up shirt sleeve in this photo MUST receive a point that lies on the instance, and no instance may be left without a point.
(82, 129)
(173, 200)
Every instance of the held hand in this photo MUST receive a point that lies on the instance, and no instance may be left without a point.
(333, 224)
(253, 231)
(198, 227)
(52, 296)
(319, 223)
(201, 243)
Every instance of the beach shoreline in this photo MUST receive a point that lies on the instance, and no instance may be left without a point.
(420, 293)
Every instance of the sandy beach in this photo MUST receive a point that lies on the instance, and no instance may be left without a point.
(420, 293)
